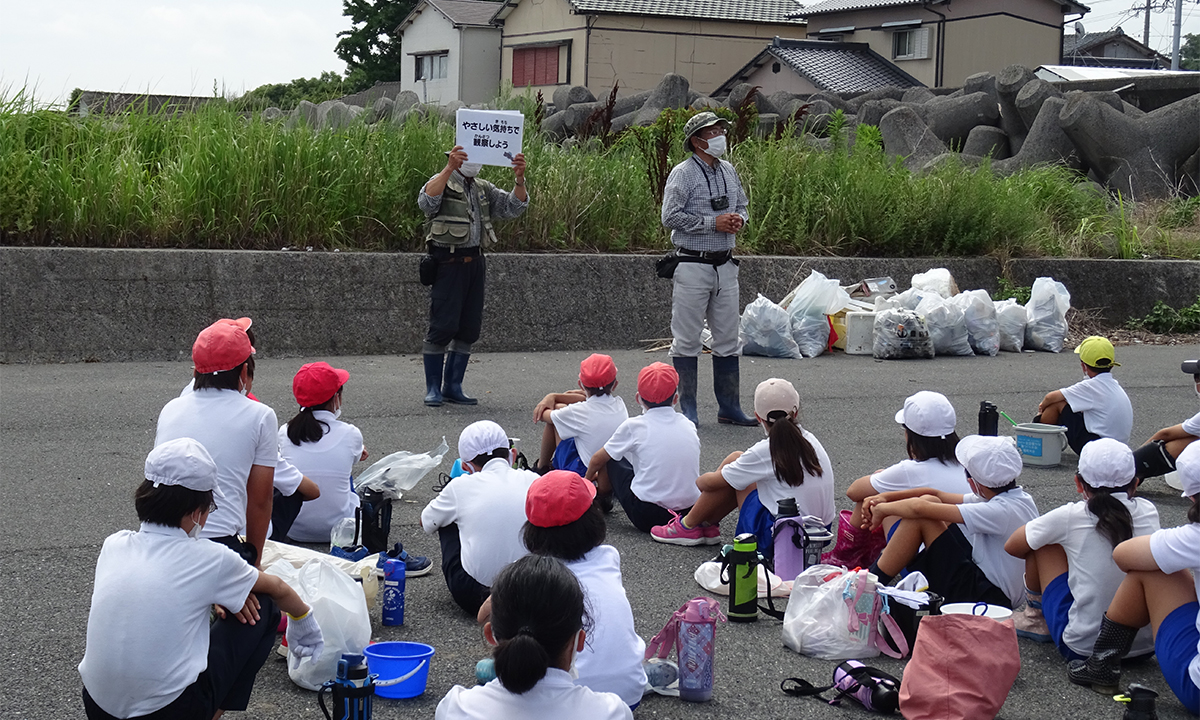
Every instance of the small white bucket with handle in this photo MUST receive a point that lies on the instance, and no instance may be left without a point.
(1040, 444)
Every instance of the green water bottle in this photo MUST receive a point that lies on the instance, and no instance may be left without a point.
(739, 568)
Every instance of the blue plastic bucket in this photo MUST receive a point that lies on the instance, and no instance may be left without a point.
(392, 660)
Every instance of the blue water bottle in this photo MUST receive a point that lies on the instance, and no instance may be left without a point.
(393, 592)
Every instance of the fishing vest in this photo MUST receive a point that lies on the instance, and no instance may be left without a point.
(451, 226)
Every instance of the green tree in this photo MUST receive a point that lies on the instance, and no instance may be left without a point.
(1189, 52)
(286, 96)
(371, 47)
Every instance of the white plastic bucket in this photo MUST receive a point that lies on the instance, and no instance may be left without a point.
(995, 612)
(1040, 444)
(860, 333)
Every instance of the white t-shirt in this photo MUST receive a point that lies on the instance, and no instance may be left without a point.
(1093, 576)
(664, 449)
(611, 661)
(814, 496)
(489, 508)
(591, 422)
(1106, 409)
(988, 525)
(1191, 426)
(328, 463)
(147, 632)
(909, 474)
(555, 696)
(238, 432)
(1175, 549)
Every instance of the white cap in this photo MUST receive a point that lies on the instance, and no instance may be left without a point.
(776, 394)
(928, 413)
(1188, 467)
(1106, 463)
(182, 461)
(989, 460)
(481, 438)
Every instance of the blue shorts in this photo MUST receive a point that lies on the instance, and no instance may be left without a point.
(1056, 603)
(566, 457)
(1175, 646)
(754, 518)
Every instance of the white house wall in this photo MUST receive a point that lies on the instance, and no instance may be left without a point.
(479, 71)
(786, 79)
(431, 31)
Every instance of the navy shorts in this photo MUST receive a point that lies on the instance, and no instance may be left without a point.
(1077, 433)
(1175, 646)
(566, 457)
(1056, 604)
(952, 573)
(754, 518)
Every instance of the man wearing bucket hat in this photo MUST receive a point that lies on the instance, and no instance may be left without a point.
(705, 207)
(459, 208)
(963, 535)
(1094, 407)
(239, 433)
(151, 649)
(1157, 456)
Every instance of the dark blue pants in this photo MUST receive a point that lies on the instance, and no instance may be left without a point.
(456, 300)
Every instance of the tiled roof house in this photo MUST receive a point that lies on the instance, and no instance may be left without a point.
(451, 51)
(1110, 49)
(808, 66)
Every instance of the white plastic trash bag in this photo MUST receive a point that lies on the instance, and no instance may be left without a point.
(983, 329)
(901, 334)
(340, 608)
(936, 280)
(766, 329)
(947, 325)
(1047, 311)
(817, 617)
(811, 333)
(817, 295)
(1012, 320)
(708, 576)
(400, 471)
(909, 299)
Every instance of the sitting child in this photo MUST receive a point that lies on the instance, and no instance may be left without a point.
(565, 523)
(478, 516)
(651, 462)
(1094, 407)
(790, 463)
(967, 563)
(1157, 456)
(537, 626)
(1160, 588)
(1070, 576)
(579, 422)
(151, 649)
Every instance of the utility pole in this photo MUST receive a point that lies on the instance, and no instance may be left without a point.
(1178, 29)
(1146, 29)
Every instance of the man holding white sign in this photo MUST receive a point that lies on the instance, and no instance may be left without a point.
(459, 209)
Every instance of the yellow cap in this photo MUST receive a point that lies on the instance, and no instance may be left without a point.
(1096, 351)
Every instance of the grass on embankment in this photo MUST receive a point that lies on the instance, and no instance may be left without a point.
(215, 179)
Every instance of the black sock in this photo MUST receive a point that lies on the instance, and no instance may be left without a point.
(884, 578)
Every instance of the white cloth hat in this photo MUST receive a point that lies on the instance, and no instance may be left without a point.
(182, 461)
(989, 460)
(1106, 463)
(775, 394)
(1188, 467)
(481, 438)
(928, 413)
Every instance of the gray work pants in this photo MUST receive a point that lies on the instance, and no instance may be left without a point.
(703, 291)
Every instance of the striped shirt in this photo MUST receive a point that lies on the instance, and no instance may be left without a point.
(687, 204)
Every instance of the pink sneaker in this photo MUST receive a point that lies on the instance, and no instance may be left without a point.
(712, 534)
(674, 533)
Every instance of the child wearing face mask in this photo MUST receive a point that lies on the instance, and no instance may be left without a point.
(1157, 456)
(651, 462)
(1094, 407)
(789, 463)
(539, 622)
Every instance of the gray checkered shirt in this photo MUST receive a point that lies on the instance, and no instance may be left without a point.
(687, 207)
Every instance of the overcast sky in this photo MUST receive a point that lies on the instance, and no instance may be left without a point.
(181, 47)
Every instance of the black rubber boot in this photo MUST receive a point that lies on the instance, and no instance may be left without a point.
(433, 379)
(686, 367)
(1102, 670)
(727, 385)
(456, 368)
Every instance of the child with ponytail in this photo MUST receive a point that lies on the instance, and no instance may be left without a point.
(1070, 576)
(790, 463)
(537, 627)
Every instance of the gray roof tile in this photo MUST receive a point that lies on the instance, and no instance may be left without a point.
(841, 67)
(828, 7)
(759, 11)
(467, 12)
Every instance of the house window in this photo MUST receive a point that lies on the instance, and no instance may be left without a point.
(910, 44)
(432, 67)
(535, 66)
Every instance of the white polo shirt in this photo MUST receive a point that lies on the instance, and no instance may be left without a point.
(489, 508)
(611, 661)
(237, 432)
(1191, 426)
(555, 696)
(814, 496)
(664, 449)
(591, 422)
(909, 474)
(147, 631)
(1106, 409)
(1092, 575)
(988, 524)
(328, 463)
(1175, 549)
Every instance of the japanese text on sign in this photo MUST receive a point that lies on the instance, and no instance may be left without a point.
(490, 137)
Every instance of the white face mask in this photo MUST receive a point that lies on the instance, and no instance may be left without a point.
(470, 169)
(337, 413)
(574, 671)
(194, 532)
(717, 146)
(1198, 390)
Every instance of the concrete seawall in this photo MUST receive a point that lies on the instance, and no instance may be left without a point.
(72, 305)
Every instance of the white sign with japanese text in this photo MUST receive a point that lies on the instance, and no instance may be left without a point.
(490, 137)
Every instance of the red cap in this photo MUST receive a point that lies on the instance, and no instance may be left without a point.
(560, 497)
(222, 346)
(597, 371)
(317, 383)
(657, 382)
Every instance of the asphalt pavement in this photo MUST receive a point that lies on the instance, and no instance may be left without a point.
(73, 439)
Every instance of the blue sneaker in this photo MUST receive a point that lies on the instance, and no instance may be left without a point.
(353, 554)
(485, 671)
(414, 565)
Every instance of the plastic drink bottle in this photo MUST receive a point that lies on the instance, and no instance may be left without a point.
(393, 592)
(740, 570)
(353, 690)
(789, 540)
(1140, 703)
(989, 419)
(697, 637)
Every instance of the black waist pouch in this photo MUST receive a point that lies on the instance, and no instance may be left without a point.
(428, 270)
(665, 267)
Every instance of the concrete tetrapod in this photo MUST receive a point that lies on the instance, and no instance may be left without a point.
(671, 92)
(1008, 84)
(1045, 143)
(953, 119)
(987, 141)
(566, 96)
(1031, 97)
(905, 135)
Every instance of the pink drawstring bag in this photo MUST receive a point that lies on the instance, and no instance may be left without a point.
(962, 668)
